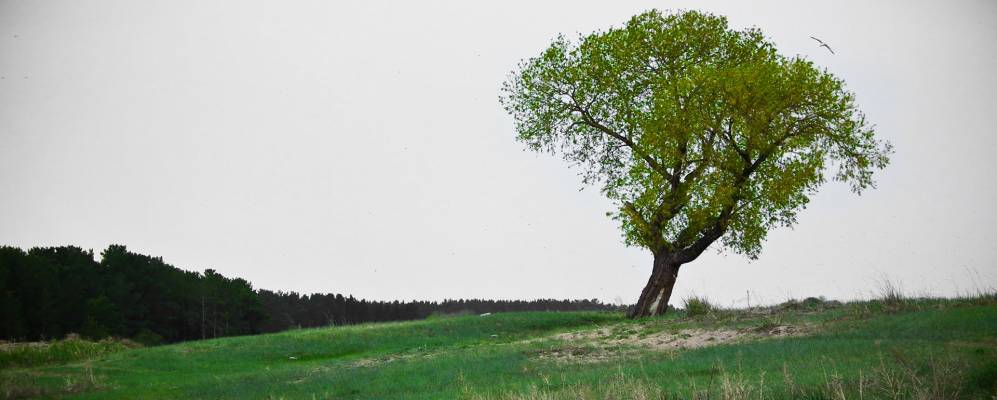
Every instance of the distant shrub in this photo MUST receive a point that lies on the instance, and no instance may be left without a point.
(698, 306)
(791, 304)
(809, 303)
(813, 302)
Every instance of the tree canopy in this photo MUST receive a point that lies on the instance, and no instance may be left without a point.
(698, 132)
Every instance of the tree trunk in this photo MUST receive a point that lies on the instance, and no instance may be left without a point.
(654, 298)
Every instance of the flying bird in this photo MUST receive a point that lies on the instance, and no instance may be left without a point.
(822, 44)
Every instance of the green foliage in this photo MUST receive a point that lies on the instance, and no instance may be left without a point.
(809, 304)
(49, 292)
(696, 306)
(698, 132)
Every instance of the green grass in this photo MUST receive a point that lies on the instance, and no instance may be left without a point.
(903, 348)
(59, 351)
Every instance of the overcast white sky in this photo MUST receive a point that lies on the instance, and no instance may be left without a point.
(359, 147)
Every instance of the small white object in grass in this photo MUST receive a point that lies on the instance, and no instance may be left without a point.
(486, 314)
(293, 358)
(494, 335)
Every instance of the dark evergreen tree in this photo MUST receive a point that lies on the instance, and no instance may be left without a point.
(49, 292)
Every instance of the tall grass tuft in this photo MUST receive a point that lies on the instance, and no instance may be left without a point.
(72, 348)
(696, 306)
(891, 294)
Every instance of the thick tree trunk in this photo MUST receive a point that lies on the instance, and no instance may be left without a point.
(654, 298)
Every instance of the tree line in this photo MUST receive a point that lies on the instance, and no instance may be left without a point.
(49, 292)
(291, 310)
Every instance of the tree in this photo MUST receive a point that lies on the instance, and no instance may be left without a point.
(697, 132)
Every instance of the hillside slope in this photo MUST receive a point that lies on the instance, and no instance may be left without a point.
(880, 349)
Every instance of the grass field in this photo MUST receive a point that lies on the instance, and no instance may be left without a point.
(889, 348)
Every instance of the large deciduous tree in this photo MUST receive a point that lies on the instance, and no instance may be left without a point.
(699, 133)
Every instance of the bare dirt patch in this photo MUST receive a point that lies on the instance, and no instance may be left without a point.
(612, 342)
(370, 362)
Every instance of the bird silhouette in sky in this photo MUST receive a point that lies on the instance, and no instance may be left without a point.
(822, 44)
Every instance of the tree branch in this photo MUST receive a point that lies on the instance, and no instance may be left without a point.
(592, 122)
(650, 234)
(729, 136)
(719, 226)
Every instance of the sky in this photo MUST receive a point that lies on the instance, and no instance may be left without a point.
(360, 148)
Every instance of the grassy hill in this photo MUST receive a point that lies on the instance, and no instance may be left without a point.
(889, 348)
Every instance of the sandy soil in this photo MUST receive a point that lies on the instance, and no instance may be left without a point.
(608, 343)
(603, 344)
